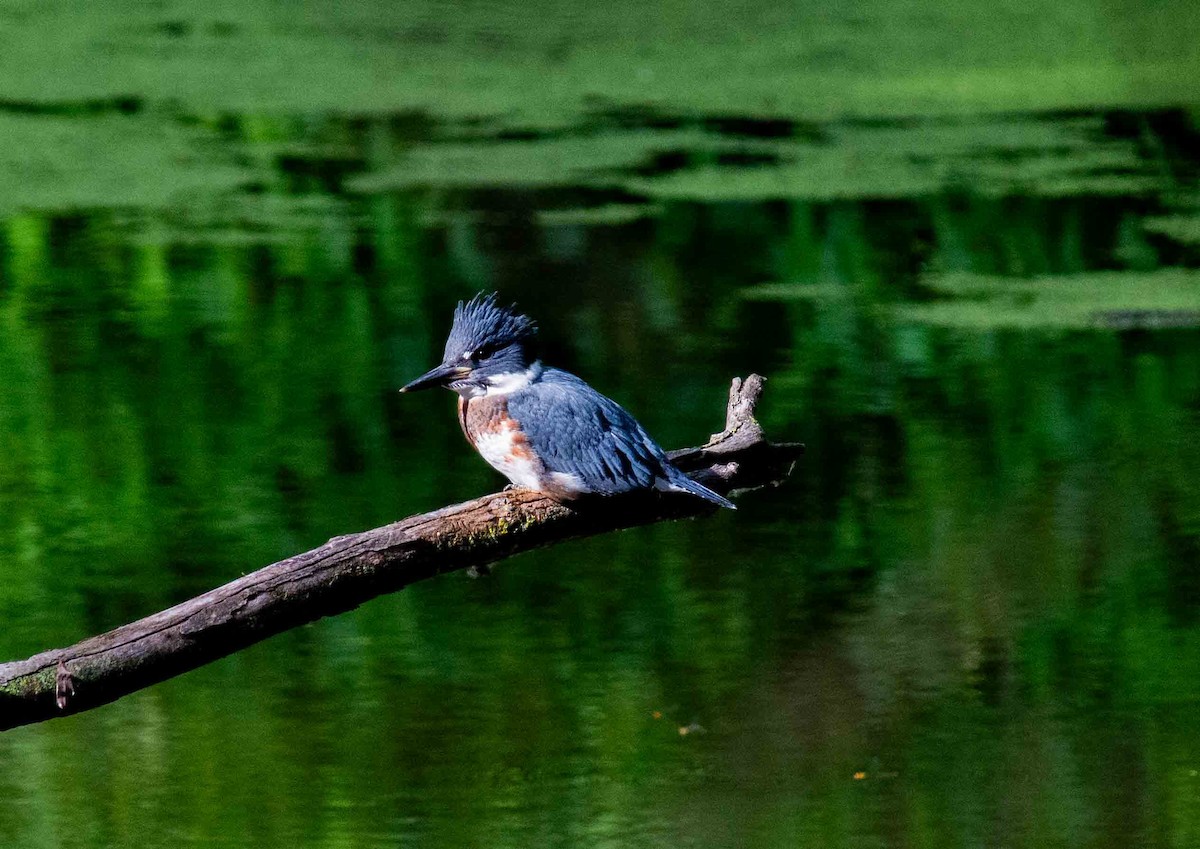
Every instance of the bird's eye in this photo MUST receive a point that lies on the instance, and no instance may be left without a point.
(483, 353)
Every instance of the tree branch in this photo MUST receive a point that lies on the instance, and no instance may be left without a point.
(349, 570)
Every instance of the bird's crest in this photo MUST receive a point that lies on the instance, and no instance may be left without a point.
(481, 323)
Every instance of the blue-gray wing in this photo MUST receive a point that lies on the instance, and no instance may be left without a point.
(577, 431)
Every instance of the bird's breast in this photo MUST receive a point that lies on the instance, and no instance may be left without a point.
(498, 438)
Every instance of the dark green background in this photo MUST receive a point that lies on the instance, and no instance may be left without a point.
(961, 239)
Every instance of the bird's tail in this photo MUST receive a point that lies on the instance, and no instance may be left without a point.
(682, 483)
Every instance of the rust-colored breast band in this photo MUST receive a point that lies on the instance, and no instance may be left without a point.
(462, 419)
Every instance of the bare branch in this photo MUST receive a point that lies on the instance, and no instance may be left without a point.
(349, 570)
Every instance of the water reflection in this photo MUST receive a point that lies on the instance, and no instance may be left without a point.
(970, 620)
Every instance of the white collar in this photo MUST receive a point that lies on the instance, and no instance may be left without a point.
(506, 384)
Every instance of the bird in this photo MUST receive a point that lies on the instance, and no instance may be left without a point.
(541, 427)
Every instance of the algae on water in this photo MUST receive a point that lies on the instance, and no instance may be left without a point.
(1166, 297)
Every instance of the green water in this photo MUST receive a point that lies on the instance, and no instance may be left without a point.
(963, 242)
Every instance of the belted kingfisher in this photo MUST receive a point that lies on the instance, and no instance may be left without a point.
(544, 428)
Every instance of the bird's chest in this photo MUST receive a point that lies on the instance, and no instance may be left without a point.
(499, 440)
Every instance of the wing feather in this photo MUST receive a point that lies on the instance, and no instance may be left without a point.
(577, 431)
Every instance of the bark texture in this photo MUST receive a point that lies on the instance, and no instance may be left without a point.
(349, 570)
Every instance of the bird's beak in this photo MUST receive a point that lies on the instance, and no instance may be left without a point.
(437, 376)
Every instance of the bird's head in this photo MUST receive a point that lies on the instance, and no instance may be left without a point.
(489, 347)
